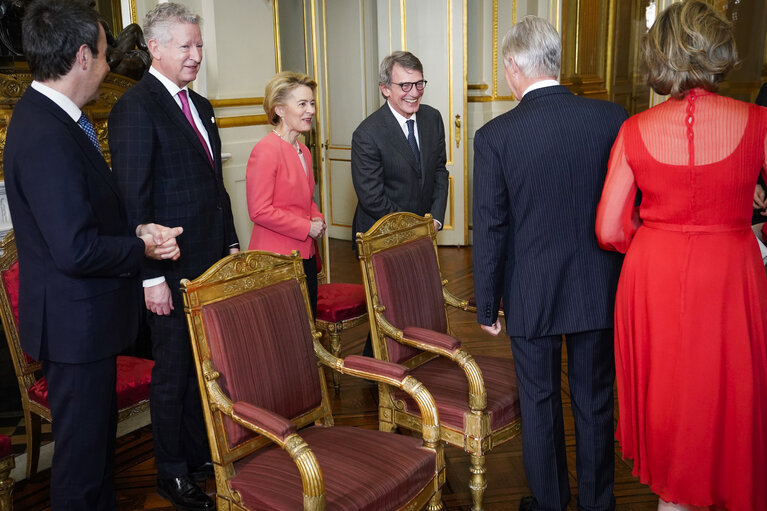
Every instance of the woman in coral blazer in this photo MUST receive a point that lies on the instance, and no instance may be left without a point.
(279, 178)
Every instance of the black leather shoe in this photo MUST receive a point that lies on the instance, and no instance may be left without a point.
(184, 494)
(527, 503)
(202, 472)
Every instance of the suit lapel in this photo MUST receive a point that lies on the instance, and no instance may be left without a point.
(393, 130)
(168, 104)
(94, 156)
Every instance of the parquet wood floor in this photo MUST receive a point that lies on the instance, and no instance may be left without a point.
(356, 405)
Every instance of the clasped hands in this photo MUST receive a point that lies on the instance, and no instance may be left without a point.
(160, 241)
(317, 227)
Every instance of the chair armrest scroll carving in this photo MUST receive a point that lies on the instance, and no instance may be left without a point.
(425, 342)
(454, 301)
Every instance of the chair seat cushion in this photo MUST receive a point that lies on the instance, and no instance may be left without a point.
(5, 446)
(133, 378)
(363, 470)
(447, 383)
(338, 302)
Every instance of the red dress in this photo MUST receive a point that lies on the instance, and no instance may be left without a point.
(691, 306)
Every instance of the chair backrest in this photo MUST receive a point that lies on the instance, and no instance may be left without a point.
(401, 272)
(249, 318)
(24, 365)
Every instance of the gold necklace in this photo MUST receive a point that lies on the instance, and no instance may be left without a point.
(294, 144)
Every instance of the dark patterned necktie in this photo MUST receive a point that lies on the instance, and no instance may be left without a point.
(411, 140)
(87, 127)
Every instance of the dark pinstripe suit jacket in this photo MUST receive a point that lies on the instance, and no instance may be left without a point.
(164, 174)
(385, 172)
(538, 176)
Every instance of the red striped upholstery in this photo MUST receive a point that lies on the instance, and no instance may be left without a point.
(451, 391)
(5, 446)
(363, 470)
(268, 359)
(410, 287)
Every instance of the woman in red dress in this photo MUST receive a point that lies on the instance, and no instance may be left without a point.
(691, 307)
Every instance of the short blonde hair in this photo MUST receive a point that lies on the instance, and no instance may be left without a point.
(689, 45)
(279, 88)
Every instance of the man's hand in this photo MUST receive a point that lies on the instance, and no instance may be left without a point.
(234, 250)
(317, 229)
(437, 225)
(158, 299)
(760, 200)
(160, 241)
(493, 329)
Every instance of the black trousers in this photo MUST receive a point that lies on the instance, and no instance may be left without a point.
(591, 373)
(310, 269)
(178, 428)
(83, 403)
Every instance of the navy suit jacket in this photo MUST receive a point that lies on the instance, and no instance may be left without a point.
(385, 172)
(166, 178)
(538, 176)
(79, 257)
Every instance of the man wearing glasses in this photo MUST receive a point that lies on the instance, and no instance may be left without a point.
(398, 152)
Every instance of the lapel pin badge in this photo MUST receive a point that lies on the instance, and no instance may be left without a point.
(213, 120)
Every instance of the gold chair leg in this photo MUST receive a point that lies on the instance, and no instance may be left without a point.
(435, 503)
(478, 481)
(32, 421)
(335, 348)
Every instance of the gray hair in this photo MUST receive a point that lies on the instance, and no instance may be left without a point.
(404, 59)
(158, 21)
(535, 46)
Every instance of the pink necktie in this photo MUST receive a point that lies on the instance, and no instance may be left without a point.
(188, 114)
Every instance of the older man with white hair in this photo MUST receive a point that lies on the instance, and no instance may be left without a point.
(538, 174)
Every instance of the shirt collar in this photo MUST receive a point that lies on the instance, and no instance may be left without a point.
(173, 89)
(60, 99)
(400, 118)
(540, 85)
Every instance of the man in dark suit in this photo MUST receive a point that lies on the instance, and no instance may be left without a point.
(398, 152)
(79, 257)
(166, 154)
(549, 154)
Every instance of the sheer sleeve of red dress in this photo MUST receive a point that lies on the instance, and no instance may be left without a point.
(700, 129)
(617, 217)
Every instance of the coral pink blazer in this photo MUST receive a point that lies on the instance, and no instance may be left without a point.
(279, 197)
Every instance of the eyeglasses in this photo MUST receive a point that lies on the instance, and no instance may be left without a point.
(406, 86)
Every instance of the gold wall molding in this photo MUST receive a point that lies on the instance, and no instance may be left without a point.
(242, 120)
(235, 102)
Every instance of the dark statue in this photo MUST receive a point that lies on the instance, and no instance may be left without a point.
(127, 53)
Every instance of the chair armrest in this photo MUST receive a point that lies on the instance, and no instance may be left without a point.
(458, 303)
(283, 433)
(477, 391)
(267, 422)
(398, 376)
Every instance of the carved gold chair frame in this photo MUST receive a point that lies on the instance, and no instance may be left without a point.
(477, 437)
(240, 273)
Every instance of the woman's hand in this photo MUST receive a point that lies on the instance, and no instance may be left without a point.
(317, 228)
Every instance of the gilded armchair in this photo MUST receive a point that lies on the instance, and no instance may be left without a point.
(260, 368)
(477, 397)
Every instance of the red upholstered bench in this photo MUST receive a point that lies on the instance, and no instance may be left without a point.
(133, 374)
(6, 464)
